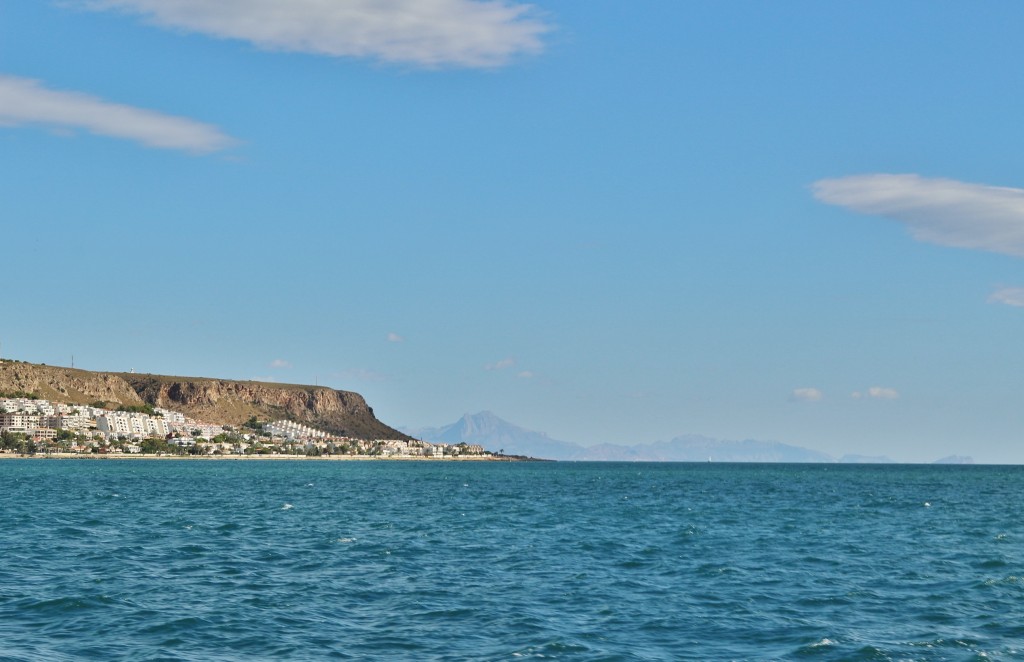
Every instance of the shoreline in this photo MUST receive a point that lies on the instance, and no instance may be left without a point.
(327, 458)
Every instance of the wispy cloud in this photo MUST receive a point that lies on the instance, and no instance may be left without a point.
(394, 337)
(939, 211)
(468, 33)
(525, 374)
(1010, 296)
(877, 392)
(809, 394)
(25, 101)
(280, 363)
(501, 365)
(883, 393)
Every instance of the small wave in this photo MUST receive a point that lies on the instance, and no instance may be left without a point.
(287, 506)
(346, 539)
(823, 643)
(1008, 580)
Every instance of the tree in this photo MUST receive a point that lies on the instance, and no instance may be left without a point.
(144, 408)
(153, 445)
(11, 440)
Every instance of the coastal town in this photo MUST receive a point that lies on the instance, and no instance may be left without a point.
(30, 425)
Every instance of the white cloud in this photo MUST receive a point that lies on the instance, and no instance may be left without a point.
(394, 337)
(525, 374)
(939, 211)
(883, 393)
(1011, 296)
(25, 101)
(806, 395)
(280, 363)
(469, 33)
(501, 365)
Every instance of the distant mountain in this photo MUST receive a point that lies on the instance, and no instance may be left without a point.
(695, 448)
(955, 459)
(495, 434)
(865, 459)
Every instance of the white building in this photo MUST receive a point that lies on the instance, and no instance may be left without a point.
(131, 424)
(291, 430)
(172, 417)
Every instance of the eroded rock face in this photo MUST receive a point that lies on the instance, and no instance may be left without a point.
(212, 400)
(65, 384)
(234, 402)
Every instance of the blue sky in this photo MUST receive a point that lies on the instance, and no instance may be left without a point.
(614, 222)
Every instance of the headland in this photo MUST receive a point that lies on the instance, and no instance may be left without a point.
(68, 412)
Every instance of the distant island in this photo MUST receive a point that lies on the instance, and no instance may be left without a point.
(55, 410)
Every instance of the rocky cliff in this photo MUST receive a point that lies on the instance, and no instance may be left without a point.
(213, 400)
(65, 384)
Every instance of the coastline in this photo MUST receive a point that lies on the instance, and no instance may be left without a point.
(328, 458)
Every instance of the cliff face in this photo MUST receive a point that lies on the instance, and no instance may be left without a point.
(79, 387)
(212, 400)
(233, 402)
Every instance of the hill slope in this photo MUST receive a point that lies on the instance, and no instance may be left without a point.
(225, 401)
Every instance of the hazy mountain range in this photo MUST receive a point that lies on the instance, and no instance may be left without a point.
(496, 434)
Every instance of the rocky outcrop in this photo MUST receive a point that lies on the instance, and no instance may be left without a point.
(233, 402)
(213, 400)
(65, 384)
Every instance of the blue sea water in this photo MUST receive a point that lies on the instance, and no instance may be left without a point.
(305, 560)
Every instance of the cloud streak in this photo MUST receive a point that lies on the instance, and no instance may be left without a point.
(877, 393)
(25, 101)
(431, 33)
(1008, 296)
(501, 365)
(806, 395)
(938, 211)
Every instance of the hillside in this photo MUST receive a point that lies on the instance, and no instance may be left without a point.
(231, 402)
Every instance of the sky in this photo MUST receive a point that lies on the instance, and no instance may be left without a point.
(613, 222)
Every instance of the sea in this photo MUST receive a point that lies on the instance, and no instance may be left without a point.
(390, 560)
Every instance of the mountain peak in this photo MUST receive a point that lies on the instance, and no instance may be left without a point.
(494, 433)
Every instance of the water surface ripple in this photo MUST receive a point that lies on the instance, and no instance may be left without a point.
(187, 560)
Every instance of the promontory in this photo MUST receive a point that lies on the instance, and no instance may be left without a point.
(342, 413)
